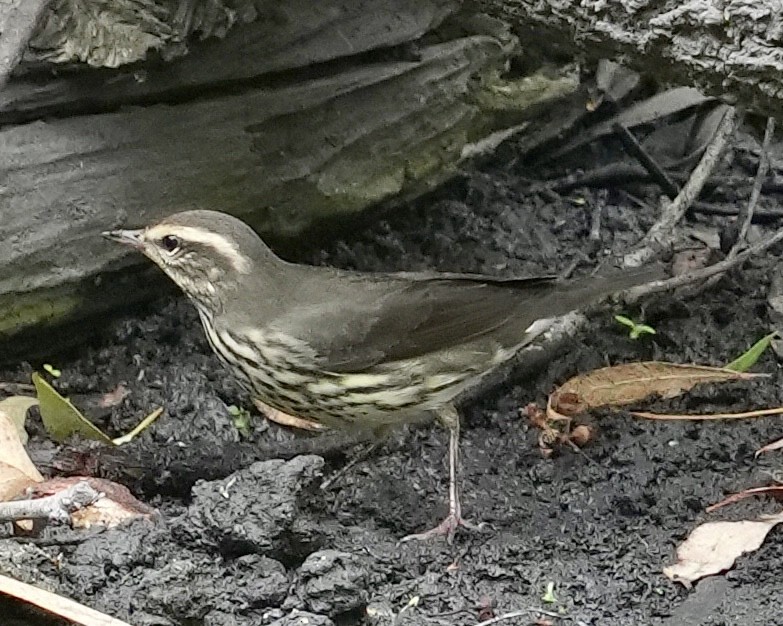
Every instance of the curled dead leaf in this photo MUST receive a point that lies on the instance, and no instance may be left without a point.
(13, 482)
(713, 547)
(633, 382)
(16, 408)
(569, 404)
(17, 471)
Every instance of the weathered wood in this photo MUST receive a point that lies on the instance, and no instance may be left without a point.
(726, 49)
(111, 33)
(288, 36)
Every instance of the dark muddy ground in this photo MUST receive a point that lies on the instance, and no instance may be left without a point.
(266, 543)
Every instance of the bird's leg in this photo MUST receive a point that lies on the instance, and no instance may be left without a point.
(284, 419)
(449, 417)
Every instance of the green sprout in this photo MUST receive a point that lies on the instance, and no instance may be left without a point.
(241, 419)
(52, 370)
(549, 596)
(748, 359)
(636, 330)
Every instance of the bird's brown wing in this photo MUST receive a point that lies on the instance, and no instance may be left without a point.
(425, 316)
(408, 316)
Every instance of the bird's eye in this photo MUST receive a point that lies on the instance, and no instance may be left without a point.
(170, 243)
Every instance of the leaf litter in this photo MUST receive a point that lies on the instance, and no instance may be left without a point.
(21, 479)
(713, 547)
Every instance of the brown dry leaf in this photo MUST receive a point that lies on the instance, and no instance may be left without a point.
(114, 397)
(284, 419)
(770, 447)
(713, 547)
(13, 481)
(17, 471)
(58, 605)
(633, 382)
(117, 505)
(16, 408)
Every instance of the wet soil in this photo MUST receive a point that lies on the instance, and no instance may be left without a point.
(265, 545)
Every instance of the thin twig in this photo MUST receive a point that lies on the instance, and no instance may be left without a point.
(685, 417)
(56, 508)
(745, 216)
(595, 222)
(20, 22)
(16, 387)
(56, 604)
(521, 613)
(736, 497)
(760, 214)
(691, 277)
(770, 447)
(660, 235)
(633, 146)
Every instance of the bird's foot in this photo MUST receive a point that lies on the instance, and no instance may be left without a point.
(447, 528)
(284, 419)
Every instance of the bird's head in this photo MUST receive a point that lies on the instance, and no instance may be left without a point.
(208, 254)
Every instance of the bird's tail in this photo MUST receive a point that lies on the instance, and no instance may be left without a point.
(559, 298)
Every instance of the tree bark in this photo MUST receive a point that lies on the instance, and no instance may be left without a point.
(731, 50)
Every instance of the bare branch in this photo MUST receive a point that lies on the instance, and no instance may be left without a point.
(659, 236)
(745, 216)
(56, 508)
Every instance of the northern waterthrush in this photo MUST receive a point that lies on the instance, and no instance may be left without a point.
(347, 349)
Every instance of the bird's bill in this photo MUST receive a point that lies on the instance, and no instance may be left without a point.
(132, 238)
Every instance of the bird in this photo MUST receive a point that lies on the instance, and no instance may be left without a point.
(358, 351)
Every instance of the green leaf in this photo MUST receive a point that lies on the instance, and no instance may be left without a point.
(637, 330)
(52, 370)
(625, 321)
(747, 360)
(241, 419)
(60, 418)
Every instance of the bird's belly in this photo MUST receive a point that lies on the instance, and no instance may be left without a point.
(288, 381)
(352, 400)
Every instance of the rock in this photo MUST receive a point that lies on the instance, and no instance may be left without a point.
(332, 582)
(257, 509)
